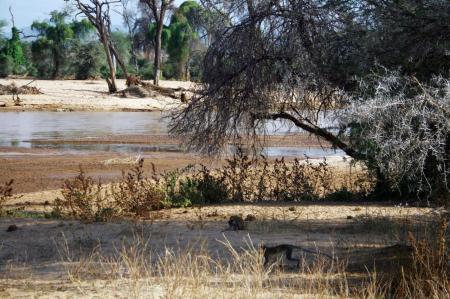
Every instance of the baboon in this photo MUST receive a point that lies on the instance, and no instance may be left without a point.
(236, 223)
(286, 249)
(250, 217)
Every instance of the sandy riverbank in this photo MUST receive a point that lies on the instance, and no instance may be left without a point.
(88, 95)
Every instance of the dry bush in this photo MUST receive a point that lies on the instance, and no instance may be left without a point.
(83, 198)
(5, 194)
(258, 179)
(136, 194)
(240, 179)
(13, 89)
(236, 173)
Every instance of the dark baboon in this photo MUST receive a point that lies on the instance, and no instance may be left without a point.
(236, 223)
(286, 249)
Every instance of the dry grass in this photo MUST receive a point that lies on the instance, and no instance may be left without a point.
(135, 270)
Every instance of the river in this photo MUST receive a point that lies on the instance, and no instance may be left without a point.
(51, 129)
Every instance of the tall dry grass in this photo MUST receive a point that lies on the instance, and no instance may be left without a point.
(136, 271)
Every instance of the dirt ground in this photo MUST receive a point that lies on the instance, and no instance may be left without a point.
(34, 259)
(89, 95)
(39, 169)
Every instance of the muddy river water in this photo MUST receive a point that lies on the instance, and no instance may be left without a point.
(57, 130)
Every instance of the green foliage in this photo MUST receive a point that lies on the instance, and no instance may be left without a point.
(189, 186)
(178, 191)
(184, 24)
(6, 65)
(42, 57)
(145, 69)
(12, 58)
(165, 36)
(181, 34)
(87, 66)
(211, 188)
(55, 38)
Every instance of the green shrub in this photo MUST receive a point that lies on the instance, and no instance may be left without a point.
(212, 188)
(6, 65)
(88, 63)
(146, 72)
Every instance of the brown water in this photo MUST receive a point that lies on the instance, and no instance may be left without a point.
(22, 129)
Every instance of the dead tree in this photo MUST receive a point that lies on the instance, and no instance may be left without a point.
(98, 13)
(158, 9)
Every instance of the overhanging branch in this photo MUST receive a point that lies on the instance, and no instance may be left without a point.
(313, 129)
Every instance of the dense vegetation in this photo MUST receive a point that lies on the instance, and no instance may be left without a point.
(66, 46)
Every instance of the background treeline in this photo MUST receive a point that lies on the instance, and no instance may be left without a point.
(67, 47)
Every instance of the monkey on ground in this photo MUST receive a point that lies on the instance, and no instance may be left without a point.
(236, 223)
(286, 250)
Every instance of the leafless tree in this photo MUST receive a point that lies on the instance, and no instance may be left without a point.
(98, 13)
(159, 9)
(266, 66)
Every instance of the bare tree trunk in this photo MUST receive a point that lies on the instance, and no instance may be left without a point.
(98, 13)
(112, 71)
(56, 63)
(158, 37)
(119, 60)
(158, 9)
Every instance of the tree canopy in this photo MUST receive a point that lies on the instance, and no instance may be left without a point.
(55, 36)
(297, 61)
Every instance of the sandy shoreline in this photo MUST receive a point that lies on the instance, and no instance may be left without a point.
(88, 95)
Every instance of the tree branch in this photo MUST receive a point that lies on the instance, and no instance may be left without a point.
(313, 129)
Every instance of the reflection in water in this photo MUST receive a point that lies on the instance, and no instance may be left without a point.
(25, 126)
(19, 129)
(120, 148)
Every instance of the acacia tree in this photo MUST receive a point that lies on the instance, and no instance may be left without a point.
(159, 10)
(98, 13)
(185, 24)
(12, 58)
(295, 62)
(55, 36)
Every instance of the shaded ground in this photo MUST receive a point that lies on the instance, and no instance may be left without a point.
(35, 258)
